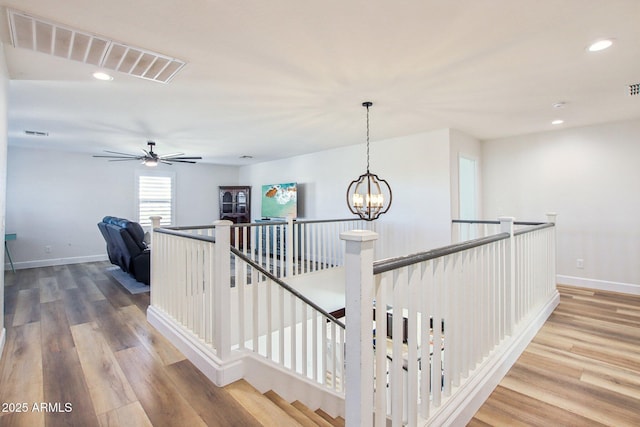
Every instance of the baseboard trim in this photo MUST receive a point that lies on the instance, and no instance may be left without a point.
(55, 261)
(219, 372)
(460, 409)
(602, 285)
(255, 370)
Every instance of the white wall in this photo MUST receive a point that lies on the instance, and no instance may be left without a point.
(4, 81)
(416, 167)
(590, 177)
(55, 199)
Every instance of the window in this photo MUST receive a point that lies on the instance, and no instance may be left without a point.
(155, 197)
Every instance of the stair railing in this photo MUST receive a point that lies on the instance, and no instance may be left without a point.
(223, 302)
(489, 294)
(293, 247)
(281, 325)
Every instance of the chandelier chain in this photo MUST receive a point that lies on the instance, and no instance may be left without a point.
(367, 138)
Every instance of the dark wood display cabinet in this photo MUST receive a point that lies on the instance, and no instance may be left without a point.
(235, 206)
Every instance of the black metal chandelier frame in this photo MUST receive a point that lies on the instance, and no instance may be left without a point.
(365, 194)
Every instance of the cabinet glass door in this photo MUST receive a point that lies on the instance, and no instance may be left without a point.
(227, 202)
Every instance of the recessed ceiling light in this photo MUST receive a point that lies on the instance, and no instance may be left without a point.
(600, 45)
(99, 75)
(560, 104)
(557, 122)
(246, 157)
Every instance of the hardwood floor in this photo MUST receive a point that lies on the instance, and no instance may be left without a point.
(581, 369)
(80, 344)
(79, 352)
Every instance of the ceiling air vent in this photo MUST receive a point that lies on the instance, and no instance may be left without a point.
(46, 37)
(634, 89)
(36, 133)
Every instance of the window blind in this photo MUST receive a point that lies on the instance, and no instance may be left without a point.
(155, 198)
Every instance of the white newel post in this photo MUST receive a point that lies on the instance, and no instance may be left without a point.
(506, 226)
(222, 289)
(155, 223)
(359, 326)
(552, 217)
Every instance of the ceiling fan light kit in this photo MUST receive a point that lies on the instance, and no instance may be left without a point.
(149, 159)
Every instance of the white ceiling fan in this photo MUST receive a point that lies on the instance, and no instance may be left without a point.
(149, 158)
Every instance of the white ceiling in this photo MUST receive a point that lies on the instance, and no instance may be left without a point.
(277, 78)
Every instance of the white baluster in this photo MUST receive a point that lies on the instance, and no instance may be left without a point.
(381, 284)
(289, 251)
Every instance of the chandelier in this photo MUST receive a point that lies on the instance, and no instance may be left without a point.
(368, 196)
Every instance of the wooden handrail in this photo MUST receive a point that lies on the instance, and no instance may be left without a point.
(283, 285)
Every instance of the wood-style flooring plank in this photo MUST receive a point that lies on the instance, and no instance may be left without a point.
(56, 334)
(131, 415)
(108, 386)
(262, 409)
(291, 410)
(65, 278)
(49, 290)
(315, 418)
(336, 422)
(116, 295)
(115, 329)
(91, 292)
(21, 379)
(64, 384)
(162, 403)
(207, 399)
(77, 307)
(27, 307)
(149, 337)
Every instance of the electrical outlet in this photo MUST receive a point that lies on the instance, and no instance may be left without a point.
(579, 263)
(47, 249)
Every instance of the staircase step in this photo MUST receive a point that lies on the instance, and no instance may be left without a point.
(317, 419)
(290, 409)
(336, 422)
(263, 409)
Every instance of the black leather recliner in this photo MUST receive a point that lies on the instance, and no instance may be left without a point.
(126, 247)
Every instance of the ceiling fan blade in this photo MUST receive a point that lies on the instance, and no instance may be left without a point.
(121, 160)
(182, 161)
(182, 158)
(118, 157)
(171, 155)
(165, 162)
(122, 154)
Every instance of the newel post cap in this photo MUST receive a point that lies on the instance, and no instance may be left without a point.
(359, 235)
